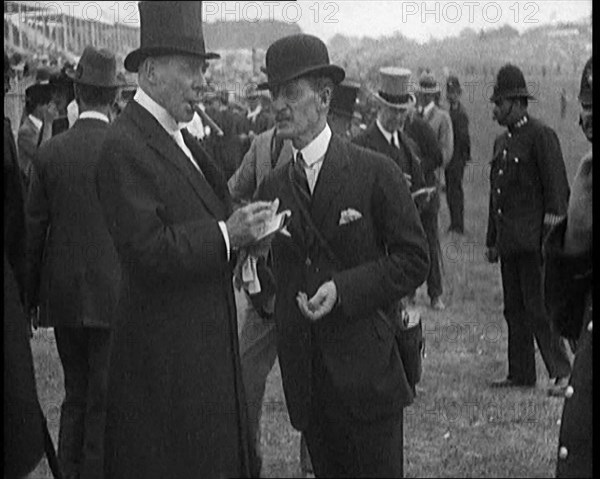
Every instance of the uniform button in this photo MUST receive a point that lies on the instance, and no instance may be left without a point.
(510, 135)
(499, 211)
(589, 328)
(308, 262)
(500, 172)
(569, 391)
(504, 152)
(498, 191)
(516, 160)
(563, 453)
(317, 269)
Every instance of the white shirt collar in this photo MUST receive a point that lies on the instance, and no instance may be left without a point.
(94, 115)
(387, 134)
(162, 116)
(427, 108)
(316, 149)
(36, 122)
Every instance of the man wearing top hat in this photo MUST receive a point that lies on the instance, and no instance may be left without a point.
(528, 195)
(355, 248)
(386, 134)
(568, 291)
(72, 266)
(176, 405)
(461, 154)
(36, 127)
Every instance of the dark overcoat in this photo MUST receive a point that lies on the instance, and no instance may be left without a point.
(73, 270)
(568, 292)
(23, 439)
(175, 397)
(384, 256)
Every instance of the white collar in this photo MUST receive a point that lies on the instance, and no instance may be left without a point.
(387, 134)
(427, 108)
(36, 122)
(162, 116)
(94, 115)
(316, 149)
(254, 113)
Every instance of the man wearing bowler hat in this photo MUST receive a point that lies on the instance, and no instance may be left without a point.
(385, 135)
(72, 266)
(176, 405)
(460, 156)
(355, 248)
(341, 108)
(528, 195)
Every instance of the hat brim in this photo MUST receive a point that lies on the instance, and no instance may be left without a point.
(135, 58)
(336, 73)
(513, 94)
(429, 90)
(115, 84)
(398, 106)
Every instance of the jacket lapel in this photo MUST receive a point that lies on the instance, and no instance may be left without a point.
(159, 140)
(332, 178)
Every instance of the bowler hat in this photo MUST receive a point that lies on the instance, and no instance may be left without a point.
(452, 84)
(42, 76)
(344, 98)
(394, 90)
(510, 83)
(428, 83)
(169, 28)
(585, 89)
(297, 56)
(96, 67)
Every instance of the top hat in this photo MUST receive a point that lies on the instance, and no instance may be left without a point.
(296, 56)
(96, 67)
(510, 83)
(169, 28)
(428, 83)
(452, 84)
(344, 98)
(585, 89)
(394, 90)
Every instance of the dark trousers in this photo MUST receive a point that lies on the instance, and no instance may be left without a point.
(455, 195)
(342, 446)
(429, 219)
(84, 356)
(526, 317)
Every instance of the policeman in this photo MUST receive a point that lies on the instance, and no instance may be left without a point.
(569, 301)
(529, 193)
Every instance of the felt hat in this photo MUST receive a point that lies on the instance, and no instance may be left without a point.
(297, 56)
(344, 98)
(585, 89)
(96, 67)
(168, 28)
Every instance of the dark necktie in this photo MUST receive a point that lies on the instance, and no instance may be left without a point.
(301, 180)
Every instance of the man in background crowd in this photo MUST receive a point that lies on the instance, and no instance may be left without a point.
(255, 120)
(528, 195)
(461, 154)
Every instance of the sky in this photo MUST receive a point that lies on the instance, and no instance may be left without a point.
(418, 20)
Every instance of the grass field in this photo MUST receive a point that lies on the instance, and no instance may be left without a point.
(458, 426)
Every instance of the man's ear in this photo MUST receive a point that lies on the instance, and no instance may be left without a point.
(325, 96)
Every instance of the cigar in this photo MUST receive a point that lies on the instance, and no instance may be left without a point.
(208, 120)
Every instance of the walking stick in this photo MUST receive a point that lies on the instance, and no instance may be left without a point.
(50, 451)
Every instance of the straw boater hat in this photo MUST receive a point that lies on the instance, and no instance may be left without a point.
(344, 98)
(168, 28)
(296, 56)
(97, 67)
(510, 83)
(395, 88)
(428, 84)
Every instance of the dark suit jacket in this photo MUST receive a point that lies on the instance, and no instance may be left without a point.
(23, 440)
(28, 140)
(405, 157)
(73, 270)
(384, 256)
(226, 150)
(568, 292)
(175, 397)
(460, 128)
(527, 181)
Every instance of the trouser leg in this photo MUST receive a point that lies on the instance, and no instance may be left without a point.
(455, 195)
(71, 344)
(429, 219)
(521, 351)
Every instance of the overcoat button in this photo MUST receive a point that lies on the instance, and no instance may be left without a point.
(563, 452)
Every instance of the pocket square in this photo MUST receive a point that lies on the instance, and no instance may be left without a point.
(348, 216)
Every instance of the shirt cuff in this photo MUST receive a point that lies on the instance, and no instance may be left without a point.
(225, 234)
